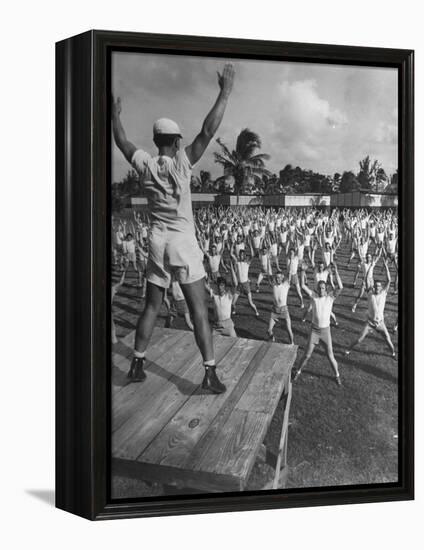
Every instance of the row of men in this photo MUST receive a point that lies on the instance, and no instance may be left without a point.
(225, 299)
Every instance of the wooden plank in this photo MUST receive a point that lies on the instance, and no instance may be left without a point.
(211, 437)
(162, 364)
(269, 380)
(236, 446)
(167, 475)
(174, 443)
(282, 457)
(154, 409)
(161, 341)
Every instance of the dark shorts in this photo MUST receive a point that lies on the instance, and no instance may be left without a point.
(225, 328)
(320, 335)
(243, 288)
(379, 326)
(294, 278)
(214, 276)
(280, 313)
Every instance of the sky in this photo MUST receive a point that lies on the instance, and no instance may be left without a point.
(320, 117)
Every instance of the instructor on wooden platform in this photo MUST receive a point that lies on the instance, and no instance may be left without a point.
(173, 248)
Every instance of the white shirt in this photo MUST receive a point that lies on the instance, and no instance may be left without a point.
(166, 182)
(376, 304)
(280, 293)
(321, 310)
(214, 262)
(293, 265)
(321, 276)
(243, 272)
(222, 306)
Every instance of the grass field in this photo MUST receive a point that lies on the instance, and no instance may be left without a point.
(337, 436)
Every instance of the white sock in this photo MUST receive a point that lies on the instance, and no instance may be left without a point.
(210, 363)
(139, 354)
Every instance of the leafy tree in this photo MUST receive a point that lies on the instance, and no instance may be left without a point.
(381, 179)
(244, 163)
(367, 173)
(349, 182)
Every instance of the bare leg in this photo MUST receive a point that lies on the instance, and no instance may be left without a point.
(306, 357)
(289, 330)
(388, 340)
(188, 321)
(251, 304)
(271, 328)
(364, 333)
(147, 320)
(359, 297)
(332, 360)
(258, 282)
(299, 293)
(195, 295)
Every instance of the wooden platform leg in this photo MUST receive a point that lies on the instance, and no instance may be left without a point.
(280, 476)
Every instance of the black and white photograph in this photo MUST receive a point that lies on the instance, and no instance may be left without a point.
(254, 275)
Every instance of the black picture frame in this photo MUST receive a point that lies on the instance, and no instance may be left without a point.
(82, 280)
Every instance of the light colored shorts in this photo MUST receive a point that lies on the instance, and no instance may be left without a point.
(225, 328)
(173, 252)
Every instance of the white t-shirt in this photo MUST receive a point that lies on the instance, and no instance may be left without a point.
(293, 265)
(214, 262)
(376, 304)
(222, 306)
(243, 272)
(321, 310)
(280, 293)
(166, 182)
(321, 276)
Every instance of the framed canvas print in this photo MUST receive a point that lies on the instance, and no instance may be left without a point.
(234, 274)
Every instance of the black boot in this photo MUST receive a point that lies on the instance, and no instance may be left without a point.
(211, 381)
(136, 372)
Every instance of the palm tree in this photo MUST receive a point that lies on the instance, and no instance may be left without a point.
(244, 164)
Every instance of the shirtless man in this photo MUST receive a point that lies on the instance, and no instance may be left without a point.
(173, 247)
(375, 317)
(322, 305)
(280, 312)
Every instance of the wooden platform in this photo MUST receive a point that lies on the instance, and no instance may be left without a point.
(168, 430)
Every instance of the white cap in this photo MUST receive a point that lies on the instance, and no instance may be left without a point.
(166, 126)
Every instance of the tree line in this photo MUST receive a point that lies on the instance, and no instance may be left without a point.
(245, 172)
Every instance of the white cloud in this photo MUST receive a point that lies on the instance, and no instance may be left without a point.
(305, 122)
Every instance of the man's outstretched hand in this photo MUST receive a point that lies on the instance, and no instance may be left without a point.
(226, 79)
(116, 106)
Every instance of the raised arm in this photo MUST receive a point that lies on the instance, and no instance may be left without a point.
(338, 279)
(388, 277)
(303, 284)
(126, 147)
(214, 118)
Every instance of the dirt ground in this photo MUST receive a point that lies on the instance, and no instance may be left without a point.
(337, 436)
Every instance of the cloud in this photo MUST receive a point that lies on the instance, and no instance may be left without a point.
(305, 122)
